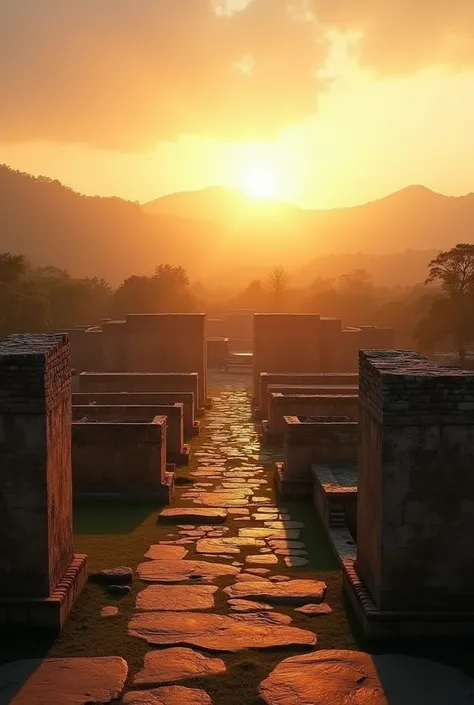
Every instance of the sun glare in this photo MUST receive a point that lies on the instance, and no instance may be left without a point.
(259, 181)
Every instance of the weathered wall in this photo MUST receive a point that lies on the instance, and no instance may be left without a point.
(217, 352)
(416, 479)
(119, 459)
(285, 343)
(141, 399)
(282, 405)
(121, 414)
(317, 442)
(86, 348)
(168, 342)
(315, 379)
(330, 344)
(35, 460)
(139, 382)
(113, 347)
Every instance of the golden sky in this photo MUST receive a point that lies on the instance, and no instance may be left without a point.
(323, 103)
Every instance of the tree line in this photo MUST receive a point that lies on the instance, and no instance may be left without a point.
(436, 313)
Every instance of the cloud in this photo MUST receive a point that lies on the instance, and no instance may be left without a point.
(404, 36)
(125, 74)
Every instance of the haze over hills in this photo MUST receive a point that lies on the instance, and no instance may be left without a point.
(222, 236)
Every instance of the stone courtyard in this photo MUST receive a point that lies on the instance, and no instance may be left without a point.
(227, 596)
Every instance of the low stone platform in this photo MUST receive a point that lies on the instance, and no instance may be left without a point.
(50, 612)
(390, 624)
(335, 494)
(290, 489)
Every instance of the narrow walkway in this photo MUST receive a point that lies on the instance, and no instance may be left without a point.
(229, 537)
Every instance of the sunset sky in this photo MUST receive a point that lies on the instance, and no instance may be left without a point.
(324, 103)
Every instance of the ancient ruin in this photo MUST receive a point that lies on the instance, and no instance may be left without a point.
(415, 510)
(40, 575)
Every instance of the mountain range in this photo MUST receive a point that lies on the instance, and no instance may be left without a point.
(222, 236)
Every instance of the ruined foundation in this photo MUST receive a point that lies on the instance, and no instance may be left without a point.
(191, 426)
(124, 461)
(309, 440)
(177, 453)
(415, 515)
(282, 405)
(40, 577)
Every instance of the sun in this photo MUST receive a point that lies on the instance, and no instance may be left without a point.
(259, 181)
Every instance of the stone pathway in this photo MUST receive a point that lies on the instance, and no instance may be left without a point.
(215, 585)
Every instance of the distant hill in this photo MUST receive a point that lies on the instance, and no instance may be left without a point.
(414, 218)
(223, 237)
(92, 236)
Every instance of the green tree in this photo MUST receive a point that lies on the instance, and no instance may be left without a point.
(452, 313)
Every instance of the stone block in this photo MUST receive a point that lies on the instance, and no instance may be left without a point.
(120, 460)
(415, 517)
(36, 480)
(144, 399)
(175, 451)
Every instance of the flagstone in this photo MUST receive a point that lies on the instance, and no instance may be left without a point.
(230, 545)
(196, 515)
(167, 695)
(177, 571)
(174, 664)
(297, 592)
(217, 632)
(64, 681)
(176, 598)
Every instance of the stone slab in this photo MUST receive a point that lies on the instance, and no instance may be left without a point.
(178, 571)
(217, 632)
(67, 681)
(229, 545)
(342, 677)
(292, 592)
(183, 515)
(174, 664)
(176, 598)
(168, 695)
(248, 606)
(314, 610)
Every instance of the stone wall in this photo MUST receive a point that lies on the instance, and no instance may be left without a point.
(285, 343)
(134, 414)
(168, 342)
(139, 382)
(113, 347)
(319, 441)
(315, 379)
(186, 399)
(416, 486)
(217, 352)
(282, 405)
(330, 359)
(123, 460)
(36, 547)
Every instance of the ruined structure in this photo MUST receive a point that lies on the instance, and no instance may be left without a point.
(177, 452)
(186, 399)
(297, 382)
(164, 342)
(122, 460)
(136, 382)
(40, 577)
(415, 515)
(283, 405)
(313, 439)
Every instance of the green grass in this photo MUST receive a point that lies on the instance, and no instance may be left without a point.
(118, 534)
